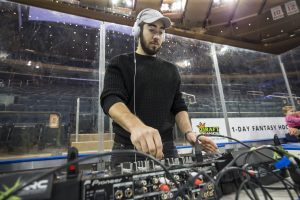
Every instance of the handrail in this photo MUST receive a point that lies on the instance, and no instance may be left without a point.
(48, 113)
(30, 112)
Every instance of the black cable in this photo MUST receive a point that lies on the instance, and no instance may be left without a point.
(244, 187)
(217, 135)
(238, 141)
(248, 194)
(35, 178)
(284, 184)
(275, 188)
(246, 152)
(254, 192)
(191, 181)
(280, 178)
(240, 188)
(228, 166)
(235, 159)
(247, 157)
(228, 169)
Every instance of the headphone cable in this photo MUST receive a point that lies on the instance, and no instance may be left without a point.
(134, 78)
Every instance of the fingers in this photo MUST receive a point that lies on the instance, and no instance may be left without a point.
(208, 147)
(208, 144)
(144, 146)
(158, 145)
(148, 141)
(138, 146)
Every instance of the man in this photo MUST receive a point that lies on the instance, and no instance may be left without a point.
(142, 95)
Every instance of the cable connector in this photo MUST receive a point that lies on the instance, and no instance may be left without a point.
(253, 149)
(198, 152)
(283, 162)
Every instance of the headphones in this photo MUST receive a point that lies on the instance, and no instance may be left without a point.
(136, 29)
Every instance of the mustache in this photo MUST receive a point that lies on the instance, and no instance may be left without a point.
(154, 42)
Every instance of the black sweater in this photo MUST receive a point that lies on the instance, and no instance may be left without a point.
(158, 97)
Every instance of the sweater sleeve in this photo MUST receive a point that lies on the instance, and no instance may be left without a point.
(178, 103)
(114, 89)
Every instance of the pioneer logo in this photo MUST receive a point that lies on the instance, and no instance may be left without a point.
(104, 182)
(36, 188)
(37, 185)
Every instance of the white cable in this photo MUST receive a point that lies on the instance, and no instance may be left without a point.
(134, 60)
(134, 76)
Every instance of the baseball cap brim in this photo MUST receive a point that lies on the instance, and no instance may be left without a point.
(165, 20)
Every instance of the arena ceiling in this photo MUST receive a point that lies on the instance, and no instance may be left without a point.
(271, 26)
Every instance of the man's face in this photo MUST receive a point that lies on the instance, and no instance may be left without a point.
(151, 37)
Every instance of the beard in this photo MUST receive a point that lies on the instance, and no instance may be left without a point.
(147, 49)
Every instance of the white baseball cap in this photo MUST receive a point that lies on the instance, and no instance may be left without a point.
(149, 15)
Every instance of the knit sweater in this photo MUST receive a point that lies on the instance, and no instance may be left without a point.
(158, 98)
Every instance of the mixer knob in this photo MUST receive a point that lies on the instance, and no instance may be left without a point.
(167, 162)
(181, 160)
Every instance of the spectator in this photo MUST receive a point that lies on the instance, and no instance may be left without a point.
(292, 118)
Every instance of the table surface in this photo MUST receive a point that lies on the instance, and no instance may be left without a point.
(276, 194)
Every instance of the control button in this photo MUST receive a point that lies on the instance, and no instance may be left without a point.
(164, 187)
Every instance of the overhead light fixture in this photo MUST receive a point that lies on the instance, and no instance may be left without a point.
(164, 7)
(176, 6)
(129, 3)
(122, 6)
(115, 2)
(122, 3)
(173, 6)
(217, 2)
(228, 1)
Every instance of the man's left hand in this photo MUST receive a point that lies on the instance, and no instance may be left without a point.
(208, 144)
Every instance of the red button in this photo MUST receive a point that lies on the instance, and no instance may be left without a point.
(164, 187)
(72, 168)
(198, 182)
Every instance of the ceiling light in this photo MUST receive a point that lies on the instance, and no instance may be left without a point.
(176, 6)
(164, 7)
(217, 1)
(228, 1)
(114, 2)
(129, 3)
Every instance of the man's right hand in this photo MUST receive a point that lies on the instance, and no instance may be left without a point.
(147, 140)
(143, 137)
